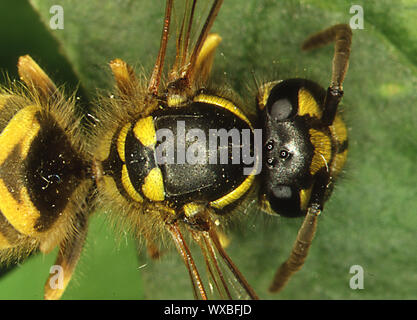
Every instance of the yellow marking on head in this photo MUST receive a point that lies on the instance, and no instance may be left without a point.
(22, 215)
(22, 128)
(127, 185)
(153, 185)
(144, 131)
(191, 209)
(338, 129)
(235, 194)
(322, 150)
(339, 162)
(339, 133)
(305, 195)
(307, 104)
(121, 141)
(264, 92)
(223, 103)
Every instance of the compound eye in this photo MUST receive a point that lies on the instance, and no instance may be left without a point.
(281, 109)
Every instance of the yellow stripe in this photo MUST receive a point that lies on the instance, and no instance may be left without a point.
(110, 188)
(307, 104)
(339, 162)
(121, 141)
(144, 131)
(127, 184)
(153, 186)
(22, 124)
(223, 103)
(322, 150)
(27, 140)
(175, 100)
(22, 215)
(339, 133)
(338, 129)
(264, 92)
(233, 195)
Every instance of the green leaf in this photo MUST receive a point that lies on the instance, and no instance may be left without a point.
(370, 219)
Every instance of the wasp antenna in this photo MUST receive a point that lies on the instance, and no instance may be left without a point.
(341, 35)
(188, 34)
(183, 39)
(185, 253)
(299, 252)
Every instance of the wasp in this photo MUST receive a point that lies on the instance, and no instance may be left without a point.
(171, 157)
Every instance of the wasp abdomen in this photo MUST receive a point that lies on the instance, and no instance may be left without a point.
(40, 171)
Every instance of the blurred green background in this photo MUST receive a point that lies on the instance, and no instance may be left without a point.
(24, 33)
(370, 219)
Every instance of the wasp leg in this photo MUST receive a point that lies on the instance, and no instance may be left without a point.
(69, 254)
(130, 91)
(213, 267)
(202, 40)
(341, 35)
(205, 59)
(36, 79)
(197, 284)
(212, 241)
(203, 230)
(124, 75)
